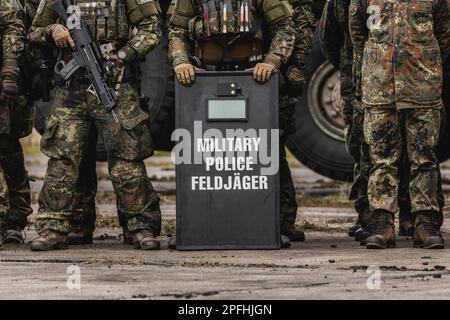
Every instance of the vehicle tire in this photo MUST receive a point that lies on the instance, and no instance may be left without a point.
(319, 139)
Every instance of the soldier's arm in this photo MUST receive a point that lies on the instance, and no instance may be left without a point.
(359, 34)
(12, 35)
(145, 16)
(40, 32)
(442, 26)
(305, 24)
(278, 15)
(179, 41)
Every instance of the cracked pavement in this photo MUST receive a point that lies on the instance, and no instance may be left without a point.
(329, 265)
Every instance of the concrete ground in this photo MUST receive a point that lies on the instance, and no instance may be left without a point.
(329, 265)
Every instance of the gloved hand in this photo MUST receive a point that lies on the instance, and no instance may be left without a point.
(185, 73)
(61, 36)
(119, 63)
(10, 89)
(262, 72)
(296, 81)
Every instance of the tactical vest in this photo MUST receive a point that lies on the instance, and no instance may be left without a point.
(106, 19)
(227, 31)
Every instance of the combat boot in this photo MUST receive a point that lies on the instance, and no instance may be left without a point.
(127, 237)
(295, 234)
(49, 240)
(172, 243)
(285, 242)
(79, 235)
(14, 236)
(426, 234)
(382, 231)
(352, 229)
(145, 240)
(361, 234)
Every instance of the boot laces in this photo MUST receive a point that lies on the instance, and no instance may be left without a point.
(428, 228)
(380, 223)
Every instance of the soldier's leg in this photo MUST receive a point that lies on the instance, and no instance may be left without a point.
(422, 137)
(438, 217)
(382, 134)
(65, 142)
(13, 164)
(127, 145)
(82, 223)
(359, 151)
(288, 202)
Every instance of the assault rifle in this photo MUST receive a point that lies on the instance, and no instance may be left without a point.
(87, 55)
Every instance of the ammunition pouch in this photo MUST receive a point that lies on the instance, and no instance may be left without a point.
(141, 9)
(275, 11)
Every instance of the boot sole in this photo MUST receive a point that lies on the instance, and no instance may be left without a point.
(372, 245)
(153, 247)
(60, 246)
(433, 246)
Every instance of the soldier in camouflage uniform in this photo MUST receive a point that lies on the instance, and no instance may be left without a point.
(16, 121)
(338, 48)
(188, 38)
(398, 52)
(75, 110)
(294, 75)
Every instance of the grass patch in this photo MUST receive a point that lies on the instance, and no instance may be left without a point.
(319, 226)
(168, 227)
(339, 200)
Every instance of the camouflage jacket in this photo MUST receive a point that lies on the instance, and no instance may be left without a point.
(12, 32)
(398, 51)
(140, 14)
(276, 14)
(305, 24)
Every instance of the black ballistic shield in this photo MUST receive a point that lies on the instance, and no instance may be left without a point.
(223, 200)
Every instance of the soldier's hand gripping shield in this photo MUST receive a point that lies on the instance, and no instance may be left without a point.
(227, 162)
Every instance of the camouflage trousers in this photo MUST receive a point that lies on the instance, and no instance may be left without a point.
(84, 208)
(15, 196)
(383, 133)
(127, 144)
(288, 202)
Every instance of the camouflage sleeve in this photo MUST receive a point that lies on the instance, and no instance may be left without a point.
(359, 34)
(442, 26)
(278, 15)
(331, 39)
(305, 24)
(12, 33)
(180, 42)
(39, 31)
(144, 15)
